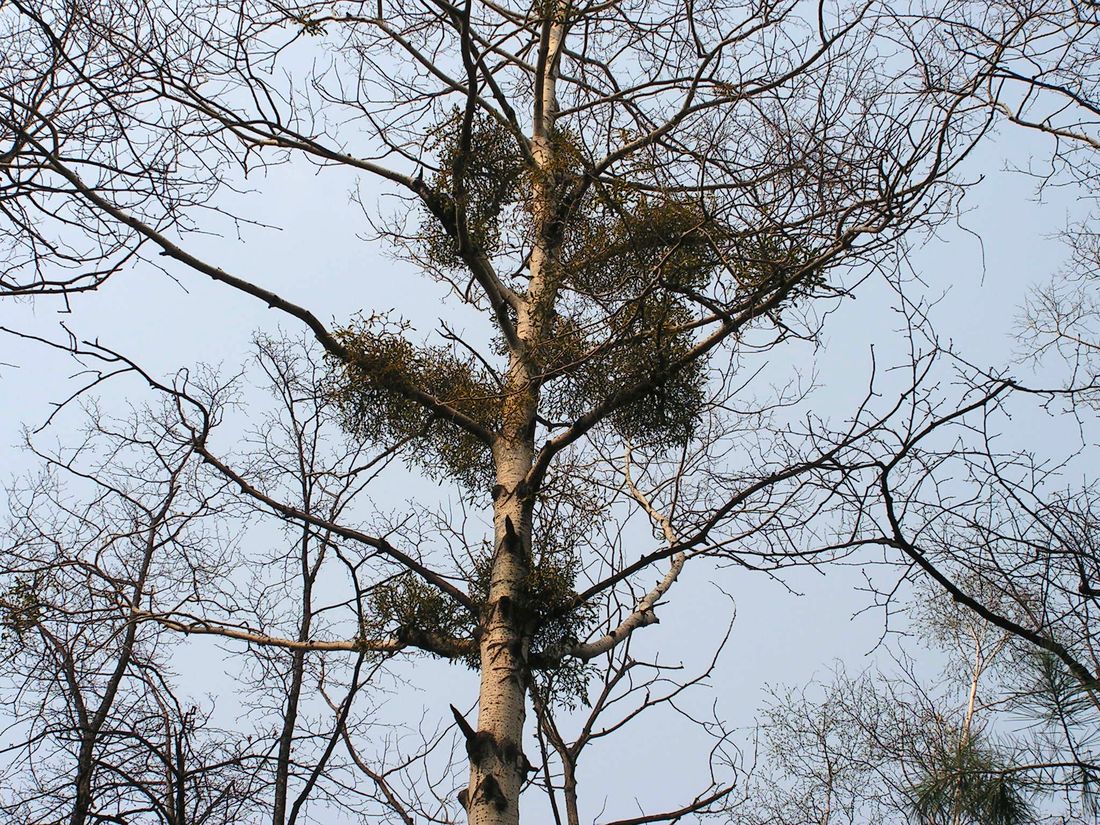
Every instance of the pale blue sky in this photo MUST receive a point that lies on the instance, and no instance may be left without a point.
(322, 265)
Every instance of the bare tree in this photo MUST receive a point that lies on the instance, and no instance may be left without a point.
(100, 733)
(640, 204)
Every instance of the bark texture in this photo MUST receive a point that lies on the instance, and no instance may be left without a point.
(498, 765)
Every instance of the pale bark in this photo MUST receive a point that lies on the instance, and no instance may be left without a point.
(498, 766)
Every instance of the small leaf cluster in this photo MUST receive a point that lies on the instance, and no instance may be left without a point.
(551, 593)
(406, 603)
(630, 264)
(666, 414)
(646, 262)
(22, 608)
(765, 261)
(625, 244)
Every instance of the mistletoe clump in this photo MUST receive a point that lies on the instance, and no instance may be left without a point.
(393, 392)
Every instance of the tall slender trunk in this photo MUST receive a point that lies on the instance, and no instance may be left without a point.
(91, 724)
(497, 763)
(297, 676)
(498, 766)
(968, 721)
(179, 798)
(569, 789)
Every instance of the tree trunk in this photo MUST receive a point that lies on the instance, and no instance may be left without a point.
(82, 802)
(497, 763)
(498, 766)
(297, 676)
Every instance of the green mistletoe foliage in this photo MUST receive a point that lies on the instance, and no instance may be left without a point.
(633, 276)
(395, 392)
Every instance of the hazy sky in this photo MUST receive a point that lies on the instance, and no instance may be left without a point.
(982, 269)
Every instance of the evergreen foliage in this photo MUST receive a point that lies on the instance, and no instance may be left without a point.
(970, 782)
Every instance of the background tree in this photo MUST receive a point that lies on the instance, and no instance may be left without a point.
(900, 745)
(101, 734)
